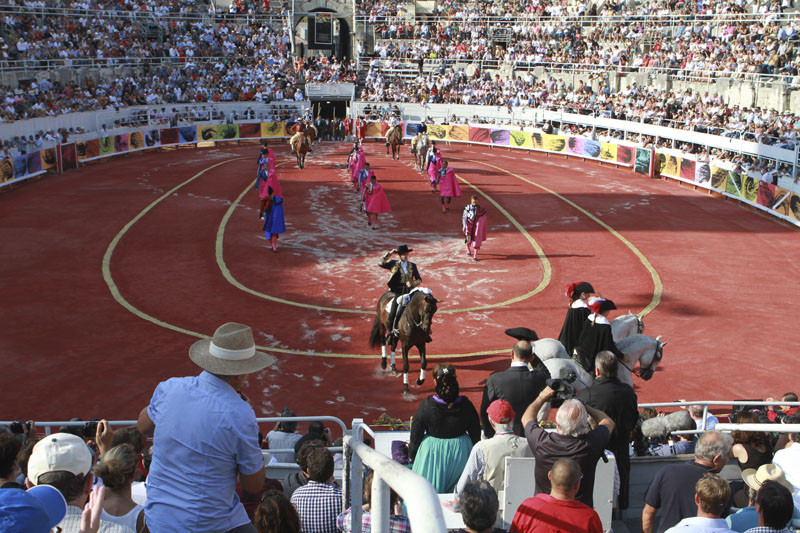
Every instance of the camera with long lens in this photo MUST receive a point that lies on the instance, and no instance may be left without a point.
(564, 391)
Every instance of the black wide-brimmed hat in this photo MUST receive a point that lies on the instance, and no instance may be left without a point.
(404, 249)
(573, 290)
(522, 334)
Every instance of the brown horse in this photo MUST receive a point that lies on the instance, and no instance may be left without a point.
(414, 326)
(300, 147)
(312, 134)
(394, 139)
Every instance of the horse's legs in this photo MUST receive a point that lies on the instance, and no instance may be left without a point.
(405, 369)
(383, 357)
(423, 365)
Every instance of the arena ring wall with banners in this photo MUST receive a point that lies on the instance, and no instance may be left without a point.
(718, 176)
(67, 156)
(781, 200)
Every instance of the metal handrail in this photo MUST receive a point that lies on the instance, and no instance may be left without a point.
(419, 496)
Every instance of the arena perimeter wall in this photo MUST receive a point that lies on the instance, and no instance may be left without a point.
(708, 173)
(714, 175)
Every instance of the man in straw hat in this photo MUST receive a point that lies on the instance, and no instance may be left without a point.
(204, 435)
(747, 517)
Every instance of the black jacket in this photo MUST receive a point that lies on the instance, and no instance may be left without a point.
(516, 385)
(619, 402)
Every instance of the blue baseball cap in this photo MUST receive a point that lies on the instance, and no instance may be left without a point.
(37, 510)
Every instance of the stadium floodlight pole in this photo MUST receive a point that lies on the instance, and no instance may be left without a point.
(354, 48)
(291, 28)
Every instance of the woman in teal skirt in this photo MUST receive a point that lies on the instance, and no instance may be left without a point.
(443, 432)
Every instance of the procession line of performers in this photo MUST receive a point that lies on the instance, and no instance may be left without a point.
(271, 196)
(372, 196)
(586, 330)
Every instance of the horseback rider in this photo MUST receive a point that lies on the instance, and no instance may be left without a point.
(596, 335)
(404, 278)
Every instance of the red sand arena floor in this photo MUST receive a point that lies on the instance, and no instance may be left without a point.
(108, 272)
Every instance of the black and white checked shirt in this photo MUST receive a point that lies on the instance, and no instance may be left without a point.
(318, 505)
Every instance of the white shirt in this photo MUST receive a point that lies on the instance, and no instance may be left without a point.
(789, 461)
(697, 524)
(72, 523)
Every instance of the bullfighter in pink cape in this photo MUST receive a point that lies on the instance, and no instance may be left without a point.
(364, 177)
(473, 224)
(375, 201)
(434, 163)
(448, 185)
(361, 160)
(267, 178)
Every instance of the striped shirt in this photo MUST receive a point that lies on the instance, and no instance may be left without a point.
(397, 523)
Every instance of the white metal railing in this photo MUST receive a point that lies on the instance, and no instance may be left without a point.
(733, 403)
(420, 498)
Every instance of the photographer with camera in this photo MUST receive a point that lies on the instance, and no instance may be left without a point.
(571, 440)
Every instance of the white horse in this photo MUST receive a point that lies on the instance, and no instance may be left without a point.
(549, 349)
(646, 350)
(626, 325)
(637, 347)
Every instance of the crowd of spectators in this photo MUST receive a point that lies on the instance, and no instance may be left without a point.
(690, 110)
(160, 55)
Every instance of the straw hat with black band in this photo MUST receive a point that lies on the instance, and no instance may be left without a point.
(230, 352)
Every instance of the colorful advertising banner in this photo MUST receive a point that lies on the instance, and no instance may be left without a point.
(207, 133)
(520, 139)
(69, 156)
(457, 133)
(273, 129)
(499, 137)
(435, 132)
(106, 145)
(250, 131)
(6, 170)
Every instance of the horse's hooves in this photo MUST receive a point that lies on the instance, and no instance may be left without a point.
(383, 363)
(420, 382)
(405, 389)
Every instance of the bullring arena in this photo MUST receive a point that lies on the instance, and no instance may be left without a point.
(113, 269)
(150, 150)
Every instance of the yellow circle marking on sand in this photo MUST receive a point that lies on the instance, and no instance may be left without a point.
(120, 299)
(546, 269)
(658, 286)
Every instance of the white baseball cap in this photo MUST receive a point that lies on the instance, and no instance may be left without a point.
(59, 452)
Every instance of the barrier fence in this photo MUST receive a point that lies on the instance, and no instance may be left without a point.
(71, 155)
(705, 172)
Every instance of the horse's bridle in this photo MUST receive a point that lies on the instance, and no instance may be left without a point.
(647, 373)
(423, 315)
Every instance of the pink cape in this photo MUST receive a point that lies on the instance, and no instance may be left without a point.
(376, 201)
(271, 163)
(480, 232)
(449, 184)
(433, 168)
(272, 181)
(360, 162)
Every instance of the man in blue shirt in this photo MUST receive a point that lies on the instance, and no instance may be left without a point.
(205, 435)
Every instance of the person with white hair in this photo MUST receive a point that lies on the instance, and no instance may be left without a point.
(571, 440)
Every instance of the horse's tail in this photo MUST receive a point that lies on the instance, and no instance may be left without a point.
(376, 337)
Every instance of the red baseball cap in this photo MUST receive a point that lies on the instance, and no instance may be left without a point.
(500, 411)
